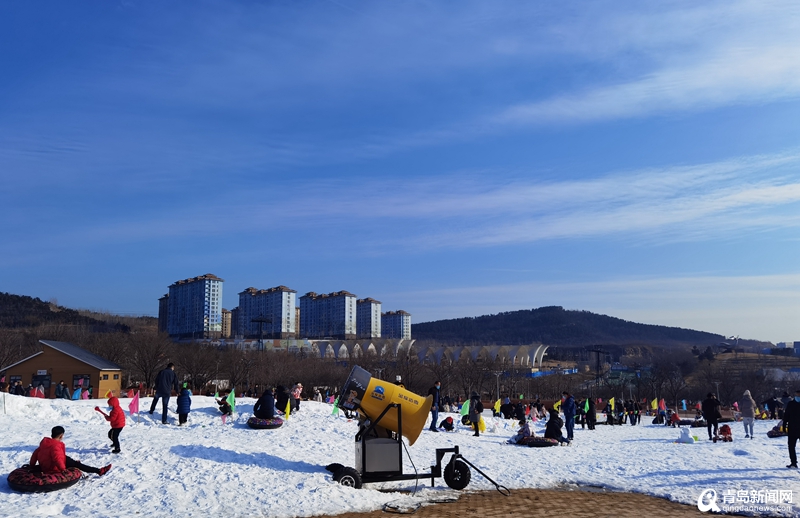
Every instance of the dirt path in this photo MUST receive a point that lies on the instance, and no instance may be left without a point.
(547, 503)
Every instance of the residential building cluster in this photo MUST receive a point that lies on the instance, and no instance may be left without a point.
(192, 309)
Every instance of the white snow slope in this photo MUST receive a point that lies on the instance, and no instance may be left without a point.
(210, 469)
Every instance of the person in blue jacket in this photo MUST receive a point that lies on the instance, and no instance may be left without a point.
(166, 382)
(265, 406)
(184, 404)
(568, 407)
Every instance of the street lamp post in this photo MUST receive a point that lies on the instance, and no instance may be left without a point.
(498, 374)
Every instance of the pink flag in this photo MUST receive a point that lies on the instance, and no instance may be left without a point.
(133, 407)
(80, 382)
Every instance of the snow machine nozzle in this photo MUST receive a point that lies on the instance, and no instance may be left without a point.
(371, 396)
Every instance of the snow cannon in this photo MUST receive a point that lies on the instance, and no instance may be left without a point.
(371, 397)
(387, 413)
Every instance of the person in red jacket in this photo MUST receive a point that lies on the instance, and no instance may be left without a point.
(117, 420)
(51, 456)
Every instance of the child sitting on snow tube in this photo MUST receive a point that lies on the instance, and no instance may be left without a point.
(49, 468)
(524, 432)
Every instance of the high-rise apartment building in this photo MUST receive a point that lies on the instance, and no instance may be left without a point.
(226, 323)
(368, 318)
(396, 324)
(195, 307)
(328, 316)
(270, 311)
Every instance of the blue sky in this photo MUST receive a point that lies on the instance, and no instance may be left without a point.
(454, 159)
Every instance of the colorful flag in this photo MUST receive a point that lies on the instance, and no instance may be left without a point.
(109, 393)
(683, 404)
(662, 405)
(465, 408)
(611, 402)
(216, 394)
(586, 405)
(557, 405)
(133, 407)
(497, 406)
(231, 399)
(654, 404)
(335, 407)
(77, 394)
(288, 409)
(80, 382)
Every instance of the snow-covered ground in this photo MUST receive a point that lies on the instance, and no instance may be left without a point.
(211, 469)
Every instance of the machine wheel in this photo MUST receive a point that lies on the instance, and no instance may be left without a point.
(348, 477)
(457, 474)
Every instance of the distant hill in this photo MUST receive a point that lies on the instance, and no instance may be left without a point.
(20, 311)
(554, 325)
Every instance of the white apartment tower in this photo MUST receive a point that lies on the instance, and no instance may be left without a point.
(328, 316)
(368, 318)
(270, 311)
(194, 307)
(396, 324)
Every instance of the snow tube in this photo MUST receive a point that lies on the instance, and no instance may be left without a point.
(776, 433)
(699, 423)
(27, 481)
(685, 422)
(538, 442)
(264, 424)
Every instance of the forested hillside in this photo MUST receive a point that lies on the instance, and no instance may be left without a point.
(554, 325)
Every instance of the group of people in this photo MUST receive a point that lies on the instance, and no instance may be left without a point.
(39, 391)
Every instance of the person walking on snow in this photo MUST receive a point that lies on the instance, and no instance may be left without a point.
(711, 413)
(184, 404)
(435, 391)
(297, 391)
(166, 382)
(117, 420)
(747, 407)
(475, 411)
(791, 423)
(568, 407)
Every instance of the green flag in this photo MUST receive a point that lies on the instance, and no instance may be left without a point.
(216, 394)
(335, 407)
(465, 408)
(586, 405)
(231, 399)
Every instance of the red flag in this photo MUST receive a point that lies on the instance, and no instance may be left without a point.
(133, 408)
(130, 393)
(662, 405)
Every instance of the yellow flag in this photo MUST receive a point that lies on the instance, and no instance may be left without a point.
(654, 404)
(288, 409)
(497, 406)
(557, 405)
(108, 394)
(611, 402)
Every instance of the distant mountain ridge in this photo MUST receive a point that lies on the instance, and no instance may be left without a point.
(21, 311)
(553, 325)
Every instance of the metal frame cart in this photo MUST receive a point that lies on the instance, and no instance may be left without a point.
(380, 459)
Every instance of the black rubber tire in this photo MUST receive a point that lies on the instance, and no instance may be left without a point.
(348, 477)
(457, 474)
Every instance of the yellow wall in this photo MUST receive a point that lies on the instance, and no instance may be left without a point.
(62, 367)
